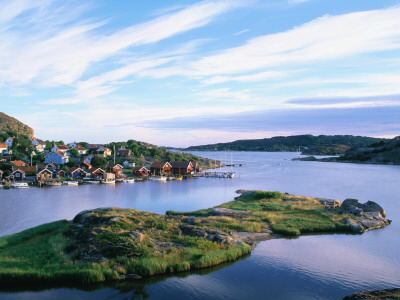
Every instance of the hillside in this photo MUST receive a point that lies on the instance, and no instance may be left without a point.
(8, 123)
(308, 144)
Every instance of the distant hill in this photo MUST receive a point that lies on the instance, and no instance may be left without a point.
(384, 152)
(308, 144)
(8, 123)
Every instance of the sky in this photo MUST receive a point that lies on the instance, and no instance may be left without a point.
(180, 73)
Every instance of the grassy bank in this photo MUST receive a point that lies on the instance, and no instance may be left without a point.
(113, 244)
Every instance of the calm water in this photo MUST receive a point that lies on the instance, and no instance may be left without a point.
(309, 267)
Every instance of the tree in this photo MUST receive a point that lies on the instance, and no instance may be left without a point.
(74, 152)
(99, 162)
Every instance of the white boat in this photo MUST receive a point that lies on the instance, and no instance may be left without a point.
(20, 185)
(93, 181)
(160, 178)
(132, 180)
(1, 186)
(108, 181)
(71, 182)
(53, 183)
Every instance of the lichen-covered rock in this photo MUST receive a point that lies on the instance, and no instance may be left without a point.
(352, 206)
(329, 203)
(227, 212)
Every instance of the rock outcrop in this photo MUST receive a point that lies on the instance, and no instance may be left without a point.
(387, 294)
(227, 212)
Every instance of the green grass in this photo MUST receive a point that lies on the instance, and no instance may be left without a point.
(147, 244)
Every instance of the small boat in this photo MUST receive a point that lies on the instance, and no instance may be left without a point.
(93, 181)
(71, 182)
(178, 178)
(160, 178)
(108, 181)
(131, 180)
(56, 183)
(1, 186)
(20, 185)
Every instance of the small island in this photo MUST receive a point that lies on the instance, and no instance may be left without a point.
(107, 244)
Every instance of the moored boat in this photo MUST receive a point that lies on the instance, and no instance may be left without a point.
(131, 180)
(53, 183)
(108, 181)
(70, 182)
(19, 185)
(93, 181)
(160, 178)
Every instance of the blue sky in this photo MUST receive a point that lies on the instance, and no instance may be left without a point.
(181, 73)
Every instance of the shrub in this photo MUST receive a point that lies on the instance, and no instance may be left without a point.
(267, 195)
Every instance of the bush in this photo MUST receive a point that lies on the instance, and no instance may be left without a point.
(267, 195)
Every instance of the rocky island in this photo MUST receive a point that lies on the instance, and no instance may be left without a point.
(108, 244)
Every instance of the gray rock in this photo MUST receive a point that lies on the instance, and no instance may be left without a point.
(137, 236)
(371, 206)
(190, 220)
(354, 225)
(132, 276)
(227, 212)
(329, 203)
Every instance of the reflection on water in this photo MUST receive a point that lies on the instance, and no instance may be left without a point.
(310, 267)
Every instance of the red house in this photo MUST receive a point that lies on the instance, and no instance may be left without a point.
(18, 175)
(96, 173)
(44, 174)
(181, 167)
(160, 168)
(84, 165)
(76, 172)
(115, 169)
(140, 172)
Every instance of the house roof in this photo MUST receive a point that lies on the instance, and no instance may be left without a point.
(3, 146)
(11, 137)
(105, 148)
(86, 164)
(62, 154)
(112, 166)
(45, 170)
(17, 170)
(75, 169)
(18, 163)
(94, 169)
(27, 169)
(79, 147)
(159, 164)
(62, 147)
(181, 164)
(136, 169)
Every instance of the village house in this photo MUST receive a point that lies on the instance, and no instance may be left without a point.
(99, 152)
(62, 173)
(9, 141)
(84, 165)
(28, 170)
(128, 164)
(50, 166)
(58, 157)
(18, 163)
(88, 158)
(44, 175)
(92, 146)
(38, 148)
(62, 148)
(17, 175)
(140, 171)
(76, 173)
(160, 168)
(96, 173)
(3, 148)
(81, 150)
(115, 169)
(196, 167)
(123, 152)
(181, 167)
(107, 151)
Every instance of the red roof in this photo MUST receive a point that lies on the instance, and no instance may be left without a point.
(62, 147)
(112, 166)
(61, 153)
(74, 169)
(137, 169)
(18, 163)
(94, 169)
(3, 146)
(159, 164)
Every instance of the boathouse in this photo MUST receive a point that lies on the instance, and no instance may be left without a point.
(160, 168)
(140, 172)
(181, 167)
(44, 174)
(96, 173)
(18, 175)
(76, 173)
(115, 169)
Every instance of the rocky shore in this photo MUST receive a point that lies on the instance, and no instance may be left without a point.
(113, 243)
(388, 294)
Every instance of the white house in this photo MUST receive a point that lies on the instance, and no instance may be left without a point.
(3, 148)
(62, 148)
(88, 159)
(129, 164)
(57, 157)
(9, 141)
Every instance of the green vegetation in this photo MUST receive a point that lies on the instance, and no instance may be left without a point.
(111, 243)
(308, 144)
